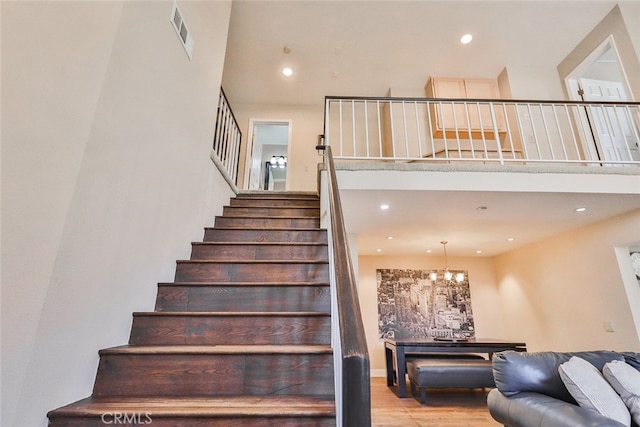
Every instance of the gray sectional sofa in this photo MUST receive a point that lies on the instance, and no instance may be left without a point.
(530, 392)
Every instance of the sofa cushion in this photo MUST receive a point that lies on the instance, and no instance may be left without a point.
(625, 380)
(515, 372)
(632, 359)
(589, 388)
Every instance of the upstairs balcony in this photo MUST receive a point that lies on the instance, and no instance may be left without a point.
(485, 132)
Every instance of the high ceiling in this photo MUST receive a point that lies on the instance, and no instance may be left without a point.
(367, 47)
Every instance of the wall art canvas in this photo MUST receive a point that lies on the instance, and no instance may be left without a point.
(411, 305)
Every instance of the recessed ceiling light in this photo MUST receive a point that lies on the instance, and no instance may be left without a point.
(429, 251)
(510, 239)
(466, 39)
(478, 252)
(287, 71)
(389, 237)
(581, 209)
(384, 207)
(378, 250)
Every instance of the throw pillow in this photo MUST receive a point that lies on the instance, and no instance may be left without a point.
(589, 388)
(632, 359)
(626, 381)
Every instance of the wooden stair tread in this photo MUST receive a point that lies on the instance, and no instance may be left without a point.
(252, 261)
(254, 228)
(217, 349)
(203, 407)
(254, 284)
(261, 243)
(277, 194)
(233, 313)
(268, 217)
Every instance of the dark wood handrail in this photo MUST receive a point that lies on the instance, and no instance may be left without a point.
(356, 382)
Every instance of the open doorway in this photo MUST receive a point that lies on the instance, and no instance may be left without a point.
(601, 78)
(267, 164)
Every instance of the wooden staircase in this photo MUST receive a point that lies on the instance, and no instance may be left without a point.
(240, 338)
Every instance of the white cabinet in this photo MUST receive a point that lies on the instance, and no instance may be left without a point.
(465, 120)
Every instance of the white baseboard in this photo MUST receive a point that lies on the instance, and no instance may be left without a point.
(378, 372)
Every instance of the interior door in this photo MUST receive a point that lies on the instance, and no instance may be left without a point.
(256, 164)
(616, 132)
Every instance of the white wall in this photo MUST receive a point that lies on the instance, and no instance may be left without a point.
(557, 293)
(631, 15)
(488, 317)
(106, 179)
(619, 23)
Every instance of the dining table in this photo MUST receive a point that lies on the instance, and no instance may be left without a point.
(397, 349)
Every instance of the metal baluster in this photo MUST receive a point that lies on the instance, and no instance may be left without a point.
(455, 128)
(444, 132)
(228, 126)
(622, 132)
(466, 112)
(415, 105)
(393, 134)
(366, 127)
(535, 134)
(607, 120)
(379, 129)
(546, 131)
(406, 135)
(573, 134)
(496, 136)
(341, 127)
(353, 127)
(484, 140)
(523, 140)
(555, 115)
(634, 128)
(507, 124)
(433, 142)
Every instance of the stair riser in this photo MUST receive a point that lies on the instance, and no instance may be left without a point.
(272, 203)
(268, 211)
(157, 421)
(304, 236)
(243, 298)
(230, 330)
(196, 375)
(248, 222)
(258, 252)
(254, 272)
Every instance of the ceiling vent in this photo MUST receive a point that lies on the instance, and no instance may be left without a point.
(181, 29)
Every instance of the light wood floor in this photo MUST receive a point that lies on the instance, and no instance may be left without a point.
(445, 408)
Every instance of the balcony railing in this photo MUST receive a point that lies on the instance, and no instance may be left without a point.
(483, 131)
(226, 141)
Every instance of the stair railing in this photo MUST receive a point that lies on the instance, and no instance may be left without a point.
(483, 131)
(226, 141)
(351, 357)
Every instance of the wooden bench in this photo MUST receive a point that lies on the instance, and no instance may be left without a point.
(448, 372)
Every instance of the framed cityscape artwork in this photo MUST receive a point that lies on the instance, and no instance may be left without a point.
(423, 303)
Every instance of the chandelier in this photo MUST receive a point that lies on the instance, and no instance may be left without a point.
(446, 274)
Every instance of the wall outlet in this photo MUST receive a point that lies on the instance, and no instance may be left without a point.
(608, 326)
